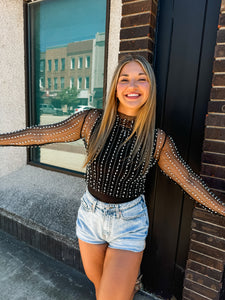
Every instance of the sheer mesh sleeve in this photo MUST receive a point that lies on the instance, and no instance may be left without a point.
(75, 127)
(174, 166)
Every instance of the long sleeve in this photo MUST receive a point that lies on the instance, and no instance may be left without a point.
(75, 127)
(174, 166)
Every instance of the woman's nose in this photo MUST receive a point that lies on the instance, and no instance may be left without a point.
(132, 83)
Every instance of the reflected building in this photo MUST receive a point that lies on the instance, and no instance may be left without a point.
(77, 65)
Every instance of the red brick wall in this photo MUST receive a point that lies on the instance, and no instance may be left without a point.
(213, 158)
(138, 25)
(206, 258)
(205, 273)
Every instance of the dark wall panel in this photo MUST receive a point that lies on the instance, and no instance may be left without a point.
(183, 64)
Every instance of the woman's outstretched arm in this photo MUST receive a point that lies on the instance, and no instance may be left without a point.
(69, 130)
(174, 166)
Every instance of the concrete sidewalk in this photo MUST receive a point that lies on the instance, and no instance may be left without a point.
(26, 273)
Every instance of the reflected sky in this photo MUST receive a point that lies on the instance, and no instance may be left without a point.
(60, 21)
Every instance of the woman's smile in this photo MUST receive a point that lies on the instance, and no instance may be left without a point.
(132, 96)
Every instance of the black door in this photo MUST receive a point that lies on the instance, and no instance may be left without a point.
(185, 42)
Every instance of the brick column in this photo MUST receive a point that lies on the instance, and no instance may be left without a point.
(138, 25)
(205, 270)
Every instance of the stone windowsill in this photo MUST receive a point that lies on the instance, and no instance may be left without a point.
(46, 198)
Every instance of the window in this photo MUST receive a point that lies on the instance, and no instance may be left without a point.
(55, 83)
(49, 65)
(87, 83)
(63, 64)
(80, 63)
(42, 82)
(56, 64)
(72, 63)
(79, 83)
(71, 82)
(49, 83)
(42, 65)
(72, 44)
(62, 80)
(87, 62)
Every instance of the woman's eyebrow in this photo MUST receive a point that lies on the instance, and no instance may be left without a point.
(128, 74)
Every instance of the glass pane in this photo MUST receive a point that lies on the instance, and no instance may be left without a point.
(66, 69)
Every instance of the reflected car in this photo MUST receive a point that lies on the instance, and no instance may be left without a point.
(58, 112)
(50, 109)
(82, 107)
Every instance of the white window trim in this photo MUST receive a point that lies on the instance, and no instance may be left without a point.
(79, 83)
(86, 62)
(72, 65)
(87, 79)
(80, 65)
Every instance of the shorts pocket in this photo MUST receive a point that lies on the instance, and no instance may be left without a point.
(85, 203)
(133, 212)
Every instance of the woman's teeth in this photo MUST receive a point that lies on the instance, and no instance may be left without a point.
(132, 95)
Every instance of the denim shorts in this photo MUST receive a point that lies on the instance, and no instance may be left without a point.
(123, 226)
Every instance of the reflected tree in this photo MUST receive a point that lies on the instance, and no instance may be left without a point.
(68, 97)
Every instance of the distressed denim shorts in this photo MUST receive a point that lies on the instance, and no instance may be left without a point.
(123, 226)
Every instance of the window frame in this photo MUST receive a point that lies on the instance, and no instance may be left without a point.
(87, 82)
(80, 63)
(62, 82)
(55, 83)
(49, 83)
(87, 61)
(63, 64)
(72, 82)
(49, 65)
(30, 94)
(56, 62)
(79, 83)
(72, 63)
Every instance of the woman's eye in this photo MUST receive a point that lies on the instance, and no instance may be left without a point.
(142, 79)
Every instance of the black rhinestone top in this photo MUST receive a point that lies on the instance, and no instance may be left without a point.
(114, 176)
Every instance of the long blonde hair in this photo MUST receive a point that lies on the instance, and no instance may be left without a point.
(144, 123)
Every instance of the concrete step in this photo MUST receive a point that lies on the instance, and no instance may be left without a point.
(26, 274)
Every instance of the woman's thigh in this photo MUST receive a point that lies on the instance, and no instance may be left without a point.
(119, 275)
(93, 256)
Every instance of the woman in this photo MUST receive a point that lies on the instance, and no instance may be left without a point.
(122, 144)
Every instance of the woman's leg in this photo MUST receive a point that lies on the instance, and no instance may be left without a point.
(119, 275)
(113, 272)
(93, 257)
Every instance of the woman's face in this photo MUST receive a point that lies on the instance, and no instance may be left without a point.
(132, 88)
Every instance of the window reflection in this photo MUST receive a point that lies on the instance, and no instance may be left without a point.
(49, 65)
(56, 64)
(63, 64)
(69, 68)
(80, 63)
(72, 63)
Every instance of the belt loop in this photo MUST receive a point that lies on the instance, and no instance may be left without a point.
(118, 212)
(94, 206)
